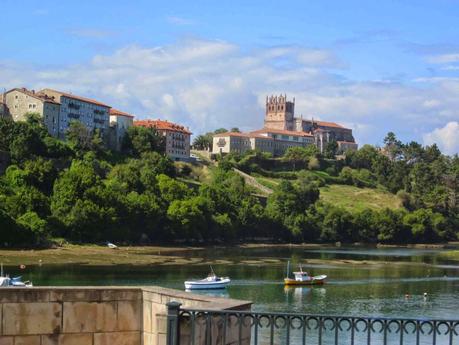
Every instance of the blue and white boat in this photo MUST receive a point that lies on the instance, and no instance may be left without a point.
(211, 282)
(6, 281)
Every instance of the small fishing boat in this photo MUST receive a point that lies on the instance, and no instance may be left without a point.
(303, 278)
(211, 282)
(6, 281)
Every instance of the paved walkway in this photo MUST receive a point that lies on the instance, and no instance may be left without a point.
(251, 181)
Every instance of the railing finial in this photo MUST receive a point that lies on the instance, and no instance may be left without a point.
(173, 326)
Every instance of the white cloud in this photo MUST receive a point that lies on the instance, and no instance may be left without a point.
(443, 58)
(447, 138)
(179, 20)
(208, 84)
(90, 33)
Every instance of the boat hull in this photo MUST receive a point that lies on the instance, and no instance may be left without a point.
(206, 285)
(313, 281)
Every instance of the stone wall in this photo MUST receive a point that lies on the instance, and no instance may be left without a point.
(95, 315)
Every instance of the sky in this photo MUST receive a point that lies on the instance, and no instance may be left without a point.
(373, 66)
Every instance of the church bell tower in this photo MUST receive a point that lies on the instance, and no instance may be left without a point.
(279, 113)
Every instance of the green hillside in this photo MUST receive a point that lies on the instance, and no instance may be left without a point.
(357, 199)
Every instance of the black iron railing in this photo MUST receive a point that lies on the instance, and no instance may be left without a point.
(232, 327)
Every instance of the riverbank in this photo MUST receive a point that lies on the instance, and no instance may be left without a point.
(180, 255)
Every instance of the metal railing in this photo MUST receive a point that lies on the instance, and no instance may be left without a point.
(233, 327)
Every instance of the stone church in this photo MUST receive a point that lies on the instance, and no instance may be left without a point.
(283, 130)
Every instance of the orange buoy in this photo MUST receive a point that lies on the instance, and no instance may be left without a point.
(22, 267)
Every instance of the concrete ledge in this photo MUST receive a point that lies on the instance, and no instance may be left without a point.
(99, 315)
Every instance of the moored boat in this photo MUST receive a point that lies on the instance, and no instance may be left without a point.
(303, 278)
(6, 281)
(211, 282)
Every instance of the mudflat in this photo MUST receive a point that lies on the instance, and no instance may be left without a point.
(164, 255)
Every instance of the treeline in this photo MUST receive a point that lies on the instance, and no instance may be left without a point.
(78, 191)
(426, 181)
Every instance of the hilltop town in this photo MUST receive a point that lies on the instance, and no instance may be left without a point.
(281, 130)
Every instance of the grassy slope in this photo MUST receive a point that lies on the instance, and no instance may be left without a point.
(357, 199)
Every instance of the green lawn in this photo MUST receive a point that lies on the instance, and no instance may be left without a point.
(357, 199)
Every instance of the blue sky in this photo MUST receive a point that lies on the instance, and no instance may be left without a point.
(374, 66)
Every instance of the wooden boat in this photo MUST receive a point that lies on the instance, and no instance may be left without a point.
(211, 282)
(303, 278)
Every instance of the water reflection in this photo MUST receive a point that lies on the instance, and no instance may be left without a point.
(354, 288)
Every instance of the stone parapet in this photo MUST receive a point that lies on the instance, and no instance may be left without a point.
(95, 315)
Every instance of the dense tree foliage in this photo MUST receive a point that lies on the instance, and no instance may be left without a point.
(79, 191)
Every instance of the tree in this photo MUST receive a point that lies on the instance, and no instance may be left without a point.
(202, 142)
(331, 149)
(188, 217)
(393, 146)
(140, 140)
(220, 130)
(337, 226)
(171, 189)
(79, 137)
(34, 119)
(235, 130)
(296, 155)
(427, 226)
(390, 227)
(35, 225)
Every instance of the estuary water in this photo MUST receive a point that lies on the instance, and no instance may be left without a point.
(391, 287)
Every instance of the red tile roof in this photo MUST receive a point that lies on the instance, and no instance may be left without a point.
(116, 112)
(162, 125)
(37, 95)
(328, 124)
(231, 134)
(79, 98)
(280, 131)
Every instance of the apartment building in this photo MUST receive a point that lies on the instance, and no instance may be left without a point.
(119, 124)
(93, 114)
(177, 137)
(20, 101)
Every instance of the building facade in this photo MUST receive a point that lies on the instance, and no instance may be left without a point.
(20, 101)
(93, 114)
(279, 113)
(119, 124)
(177, 137)
(283, 130)
(273, 141)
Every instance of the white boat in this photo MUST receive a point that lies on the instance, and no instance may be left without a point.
(211, 282)
(111, 245)
(303, 278)
(6, 281)
(14, 282)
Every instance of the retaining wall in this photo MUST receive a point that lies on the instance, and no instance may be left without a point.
(97, 315)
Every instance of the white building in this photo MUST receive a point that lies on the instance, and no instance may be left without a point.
(275, 141)
(119, 124)
(93, 114)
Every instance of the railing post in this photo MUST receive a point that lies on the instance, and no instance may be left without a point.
(173, 325)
